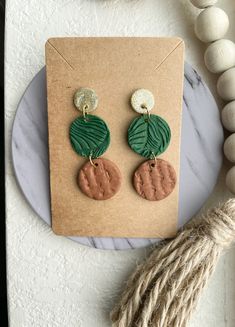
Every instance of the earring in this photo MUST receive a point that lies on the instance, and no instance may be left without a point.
(149, 135)
(99, 178)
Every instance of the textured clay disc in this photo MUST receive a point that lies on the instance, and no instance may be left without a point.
(154, 180)
(100, 181)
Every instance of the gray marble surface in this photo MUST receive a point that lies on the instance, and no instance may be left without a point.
(201, 153)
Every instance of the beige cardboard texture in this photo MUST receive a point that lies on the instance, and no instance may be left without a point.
(114, 68)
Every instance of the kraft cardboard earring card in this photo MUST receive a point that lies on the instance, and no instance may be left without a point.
(114, 122)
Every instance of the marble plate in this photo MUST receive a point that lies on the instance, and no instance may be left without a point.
(201, 153)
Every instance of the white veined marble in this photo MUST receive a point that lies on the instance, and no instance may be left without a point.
(201, 153)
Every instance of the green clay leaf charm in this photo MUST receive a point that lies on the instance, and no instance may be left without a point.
(149, 136)
(89, 136)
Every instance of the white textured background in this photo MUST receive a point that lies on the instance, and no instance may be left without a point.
(51, 280)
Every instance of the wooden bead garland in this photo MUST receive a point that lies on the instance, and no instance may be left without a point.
(211, 26)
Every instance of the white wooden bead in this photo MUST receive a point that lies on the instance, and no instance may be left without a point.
(142, 101)
(226, 85)
(229, 148)
(228, 116)
(220, 56)
(212, 24)
(230, 180)
(203, 3)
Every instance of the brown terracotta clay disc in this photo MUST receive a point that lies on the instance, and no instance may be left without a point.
(154, 180)
(100, 181)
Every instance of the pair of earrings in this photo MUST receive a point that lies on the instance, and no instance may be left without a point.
(148, 135)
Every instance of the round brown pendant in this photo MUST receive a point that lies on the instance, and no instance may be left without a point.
(154, 180)
(100, 180)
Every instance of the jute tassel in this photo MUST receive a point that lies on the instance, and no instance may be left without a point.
(164, 290)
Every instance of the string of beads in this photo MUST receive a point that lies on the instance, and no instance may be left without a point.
(211, 27)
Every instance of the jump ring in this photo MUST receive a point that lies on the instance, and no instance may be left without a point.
(91, 161)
